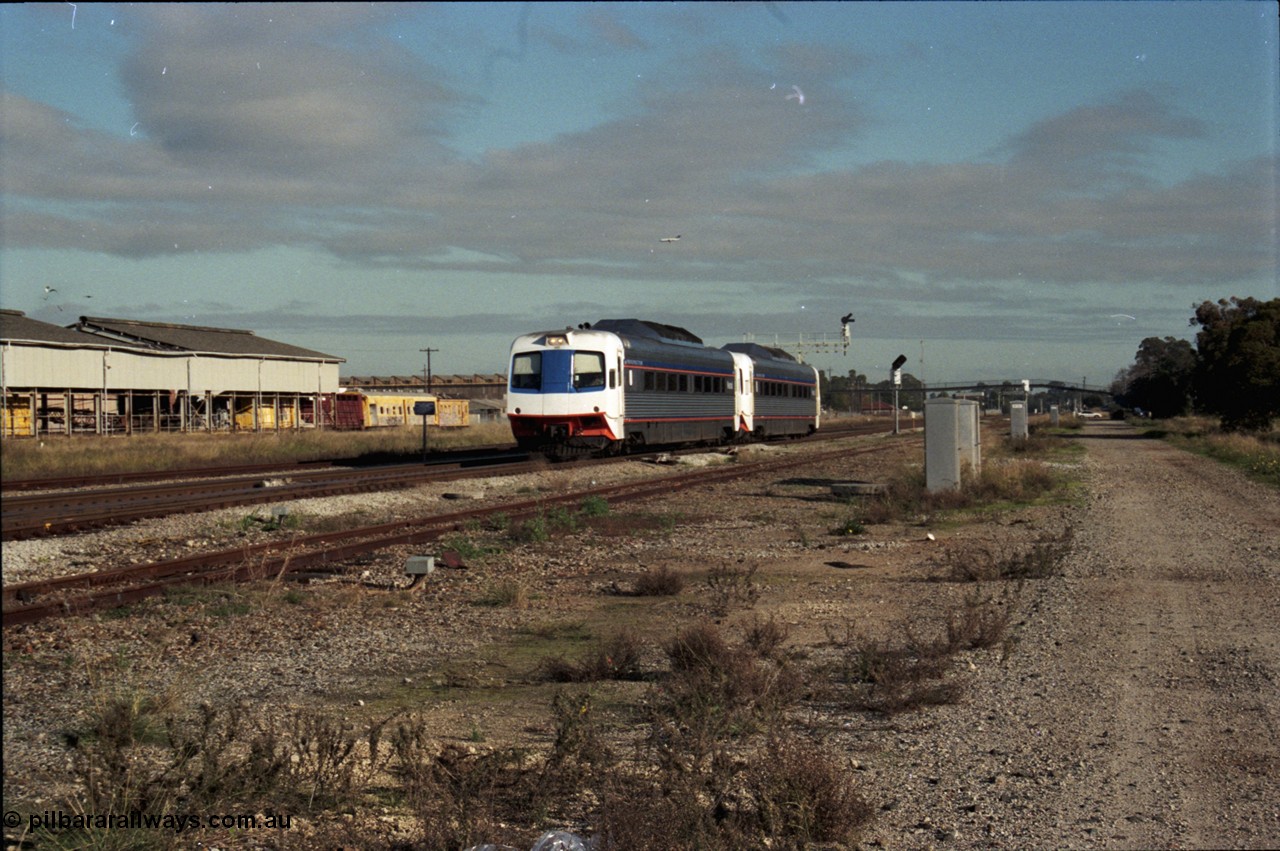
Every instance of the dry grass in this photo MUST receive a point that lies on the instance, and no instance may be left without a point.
(993, 562)
(659, 581)
(21, 459)
(873, 675)
(617, 658)
(1257, 454)
(505, 594)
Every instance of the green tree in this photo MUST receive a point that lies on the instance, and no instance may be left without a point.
(1238, 346)
(839, 392)
(1161, 377)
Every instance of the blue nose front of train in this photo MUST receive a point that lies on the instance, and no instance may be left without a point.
(557, 371)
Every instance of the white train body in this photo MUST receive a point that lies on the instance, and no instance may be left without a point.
(627, 384)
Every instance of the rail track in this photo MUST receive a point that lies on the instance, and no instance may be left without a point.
(48, 512)
(279, 468)
(34, 601)
(31, 515)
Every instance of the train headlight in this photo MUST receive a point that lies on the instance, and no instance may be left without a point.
(557, 339)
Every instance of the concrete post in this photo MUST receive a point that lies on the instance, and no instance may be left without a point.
(1018, 420)
(951, 442)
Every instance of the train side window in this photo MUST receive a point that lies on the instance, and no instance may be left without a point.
(526, 371)
(684, 384)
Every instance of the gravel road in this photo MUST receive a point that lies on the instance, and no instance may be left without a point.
(1141, 708)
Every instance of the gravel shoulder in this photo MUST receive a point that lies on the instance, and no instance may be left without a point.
(1141, 708)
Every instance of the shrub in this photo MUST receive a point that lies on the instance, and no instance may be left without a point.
(732, 586)
(852, 525)
(505, 593)
(659, 581)
(716, 690)
(788, 794)
(617, 658)
(891, 680)
(1042, 559)
(766, 637)
(595, 506)
(800, 795)
(979, 623)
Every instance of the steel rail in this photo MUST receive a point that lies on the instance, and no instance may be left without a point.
(31, 516)
(33, 601)
(34, 515)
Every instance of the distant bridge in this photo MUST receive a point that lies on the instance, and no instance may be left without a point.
(1012, 386)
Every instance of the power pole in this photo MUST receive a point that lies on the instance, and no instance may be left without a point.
(426, 372)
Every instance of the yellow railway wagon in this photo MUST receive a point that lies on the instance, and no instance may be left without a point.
(388, 409)
(266, 417)
(392, 409)
(453, 413)
(17, 416)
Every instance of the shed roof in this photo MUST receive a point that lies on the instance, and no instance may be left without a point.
(194, 338)
(17, 326)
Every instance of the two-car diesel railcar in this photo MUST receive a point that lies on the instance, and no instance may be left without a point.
(625, 384)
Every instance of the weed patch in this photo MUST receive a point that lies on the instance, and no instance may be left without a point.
(989, 563)
(659, 581)
(505, 594)
(980, 622)
(871, 675)
(617, 658)
(731, 586)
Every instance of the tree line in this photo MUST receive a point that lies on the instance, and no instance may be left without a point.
(1232, 372)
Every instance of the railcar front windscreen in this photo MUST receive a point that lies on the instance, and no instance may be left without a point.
(526, 371)
(588, 370)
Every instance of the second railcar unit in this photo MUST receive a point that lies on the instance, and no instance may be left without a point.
(783, 400)
(626, 383)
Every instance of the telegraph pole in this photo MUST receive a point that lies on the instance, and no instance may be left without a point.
(426, 372)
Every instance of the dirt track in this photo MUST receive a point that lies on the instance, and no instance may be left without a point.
(1141, 708)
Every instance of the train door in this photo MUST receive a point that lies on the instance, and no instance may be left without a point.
(615, 408)
(817, 400)
(744, 379)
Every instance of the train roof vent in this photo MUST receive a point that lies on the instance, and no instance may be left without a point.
(645, 328)
(759, 351)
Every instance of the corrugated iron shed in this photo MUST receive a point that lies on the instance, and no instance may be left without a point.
(17, 327)
(196, 338)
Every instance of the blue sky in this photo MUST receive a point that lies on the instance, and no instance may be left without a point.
(1003, 190)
